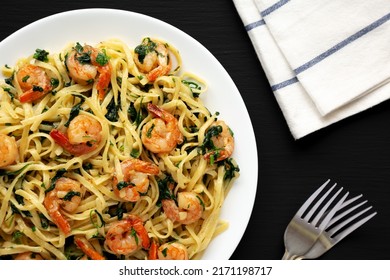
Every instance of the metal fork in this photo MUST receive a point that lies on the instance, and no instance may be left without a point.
(302, 232)
(332, 235)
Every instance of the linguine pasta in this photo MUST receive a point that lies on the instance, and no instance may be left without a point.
(126, 163)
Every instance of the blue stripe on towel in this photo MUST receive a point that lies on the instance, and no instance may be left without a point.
(331, 51)
(274, 7)
(254, 24)
(264, 13)
(284, 84)
(342, 44)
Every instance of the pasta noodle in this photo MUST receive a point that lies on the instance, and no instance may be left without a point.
(107, 152)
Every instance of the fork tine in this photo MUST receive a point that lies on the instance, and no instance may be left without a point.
(351, 228)
(341, 215)
(318, 203)
(325, 207)
(315, 207)
(331, 213)
(349, 201)
(311, 199)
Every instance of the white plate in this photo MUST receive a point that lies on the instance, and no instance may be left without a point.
(93, 25)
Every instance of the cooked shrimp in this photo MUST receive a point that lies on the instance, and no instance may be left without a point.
(188, 210)
(28, 256)
(84, 63)
(168, 251)
(83, 135)
(66, 196)
(8, 150)
(127, 236)
(87, 248)
(135, 179)
(34, 82)
(161, 134)
(152, 58)
(222, 140)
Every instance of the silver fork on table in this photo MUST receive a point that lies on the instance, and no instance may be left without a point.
(309, 236)
(333, 234)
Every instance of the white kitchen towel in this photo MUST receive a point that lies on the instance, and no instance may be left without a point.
(325, 60)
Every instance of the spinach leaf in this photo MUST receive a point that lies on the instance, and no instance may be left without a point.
(41, 55)
(74, 112)
(53, 181)
(112, 110)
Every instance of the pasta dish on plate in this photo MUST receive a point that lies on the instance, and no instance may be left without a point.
(107, 152)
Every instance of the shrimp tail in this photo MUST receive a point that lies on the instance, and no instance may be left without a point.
(155, 110)
(157, 72)
(138, 226)
(31, 95)
(221, 155)
(103, 81)
(146, 167)
(84, 245)
(76, 150)
(61, 222)
(160, 70)
(153, 251)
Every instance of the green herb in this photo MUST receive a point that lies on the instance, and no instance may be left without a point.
(164, 189)
(25, 78)
(102, 59)
(15, 210)
(84, 58)
(146, 47)
(72, 252)
(74, 112)
(11, 95)
(149, 132)
(41, 55)
(208, 143)
(230, 168)
(134, 234)
(81, 56)
(135, 116)
(37, 88)
(164, 252)
(70, 195)
(9, 80)
(78, 47)
(87, 166)
(135, 153)
(116, 210)
(212, 159)
(12, 173)
(17, 236)
(201, 202)
(44, 221)
(53, 181)
(194, 87)
(113, 110)
(123, 184)
(54, 82)
(96, 225)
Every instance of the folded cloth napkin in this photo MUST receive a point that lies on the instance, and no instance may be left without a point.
(325, 60)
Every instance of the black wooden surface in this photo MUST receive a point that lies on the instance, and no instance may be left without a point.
(354, 152)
